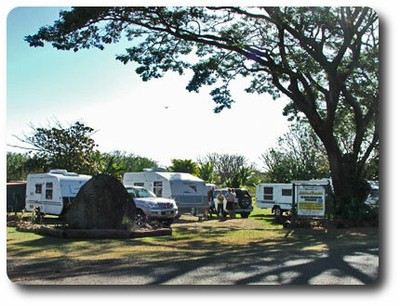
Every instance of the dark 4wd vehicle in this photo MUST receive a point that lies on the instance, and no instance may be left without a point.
(243, 204)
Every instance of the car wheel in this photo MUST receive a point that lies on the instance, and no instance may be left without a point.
(140, 219)
(167, 223)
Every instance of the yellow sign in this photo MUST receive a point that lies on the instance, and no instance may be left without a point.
(310, 200)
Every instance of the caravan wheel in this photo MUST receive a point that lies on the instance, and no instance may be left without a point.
(277, 211)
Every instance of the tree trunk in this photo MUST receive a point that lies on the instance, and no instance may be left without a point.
(350, 187)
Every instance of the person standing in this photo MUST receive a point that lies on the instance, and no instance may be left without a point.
(235, 201)
(230, 202)
(210, 197)
(220, 204)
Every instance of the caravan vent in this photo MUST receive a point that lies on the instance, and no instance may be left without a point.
(63, 172)
(155, 169)
(58, 171)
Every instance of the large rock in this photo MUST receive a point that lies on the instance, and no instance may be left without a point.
(102, 203)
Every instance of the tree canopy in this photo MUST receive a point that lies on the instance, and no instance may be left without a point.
(71, 148)
(230, 170)
(184, 165)
(324, 59)
(56, 147)
(299, 155)
(117, 163)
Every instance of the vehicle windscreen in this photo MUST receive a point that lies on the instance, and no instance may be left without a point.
(140, 193)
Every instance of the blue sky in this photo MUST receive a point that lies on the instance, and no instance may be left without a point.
(44, 84)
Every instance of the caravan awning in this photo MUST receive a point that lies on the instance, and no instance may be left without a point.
(178, 176)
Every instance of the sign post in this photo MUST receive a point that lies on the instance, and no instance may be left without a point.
(310, 200)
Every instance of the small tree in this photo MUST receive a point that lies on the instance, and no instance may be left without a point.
(240, 178)
(184, 165)
(206, 171)
(299, 155)
(117, 162)
(107, 164)
(228, 169)
(16, 166)
(70, 148)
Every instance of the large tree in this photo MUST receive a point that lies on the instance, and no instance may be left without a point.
(324, 59)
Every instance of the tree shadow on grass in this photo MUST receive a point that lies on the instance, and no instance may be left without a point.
(297, 257)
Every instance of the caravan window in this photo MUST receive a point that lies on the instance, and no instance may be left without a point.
(157, 189)
(268, 193)
(287, 192)
(49, 190)
(38, 188)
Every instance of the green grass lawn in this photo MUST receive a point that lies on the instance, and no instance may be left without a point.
(189, 237)
(187, 231)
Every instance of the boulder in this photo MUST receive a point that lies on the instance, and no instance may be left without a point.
(102, 203)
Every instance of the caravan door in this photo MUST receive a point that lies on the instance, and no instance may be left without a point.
(44, 192)
(51, 197)
(34, 190)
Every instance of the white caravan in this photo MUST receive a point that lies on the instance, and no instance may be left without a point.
(188, 191)
(52, 192)
(278, 196)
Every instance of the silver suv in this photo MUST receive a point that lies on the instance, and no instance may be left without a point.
(150, 208)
